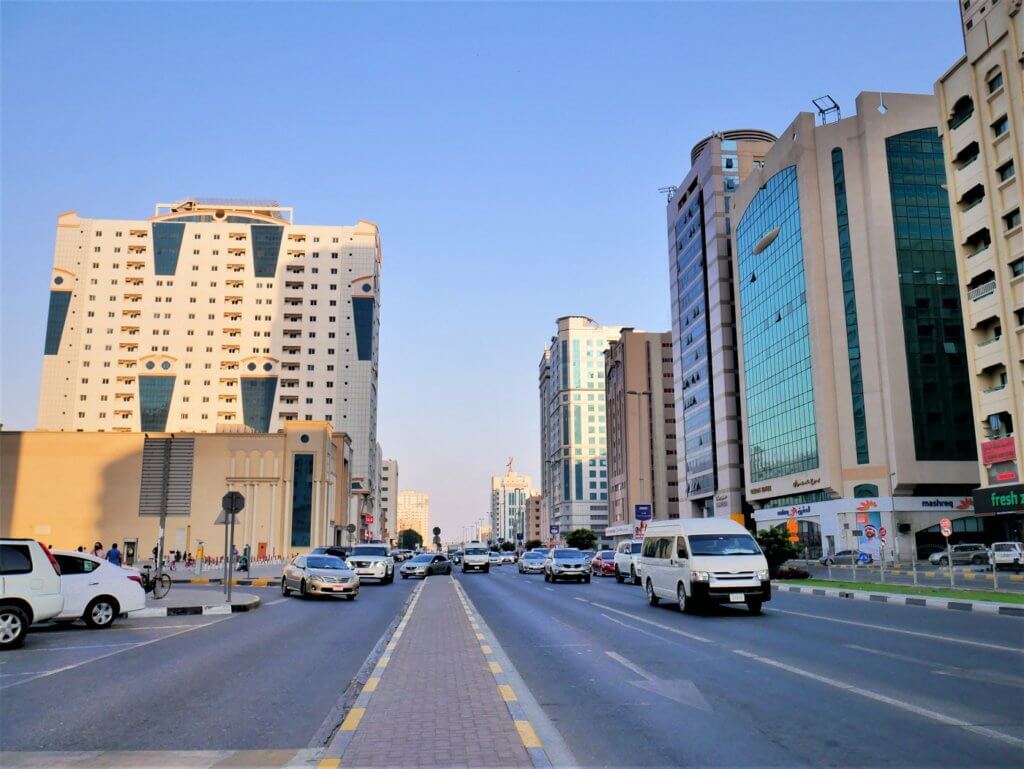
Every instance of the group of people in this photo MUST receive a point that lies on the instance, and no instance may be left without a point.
(174, 558)
(113, 554)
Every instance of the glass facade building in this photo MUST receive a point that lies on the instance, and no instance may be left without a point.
(777, 365)
(302, 499)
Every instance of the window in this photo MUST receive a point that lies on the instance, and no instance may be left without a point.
(1001, 126)
(1006, 171)
(962, 111)
(1012, 219)
(995, 82)
(15, 559)
(1017, 267)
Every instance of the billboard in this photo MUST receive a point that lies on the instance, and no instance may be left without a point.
(872, 536)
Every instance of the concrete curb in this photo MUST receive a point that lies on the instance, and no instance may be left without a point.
(178, 611)
(979, 607)
(254, 582)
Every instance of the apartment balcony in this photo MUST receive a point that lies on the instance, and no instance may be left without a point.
(297, 285)
(228, 398)
(137, 248)
(295, 269)
(236, 267)
(229, 381)
(125, 380)
(229, 365)
(287, 416)
(289, 400)
(290, 383)
(238, 236)
(297, 252)
(130, 330)
(235, 300)
(134, 280)
(126, 363)
(236, 250)
(983, 303)
(289, 366)
(136, 264)
(995, 398)
(231, 331)
(989, 353)
(138, 233)
(129, 346)
(133, 297)
(296, 237)
(292, 333)
(291, 349)
(124, 396)
(119, 412)
(293, 317)
(232, 315)
(974, 218)
(293, 301)
(131, 313)
(234, 283)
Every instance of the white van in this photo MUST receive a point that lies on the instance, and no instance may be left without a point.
(697, 561)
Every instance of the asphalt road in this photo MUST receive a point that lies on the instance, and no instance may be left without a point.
(261, 679)
(814, 681)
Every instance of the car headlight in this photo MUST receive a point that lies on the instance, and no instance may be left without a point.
(762, 574)
(699, 576)
(349, 564)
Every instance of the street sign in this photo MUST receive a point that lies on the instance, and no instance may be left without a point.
(554, 529)
(946, 527)
(233, 502)
(437, 530)
(350, 528)
(642, 512)
(224, 518)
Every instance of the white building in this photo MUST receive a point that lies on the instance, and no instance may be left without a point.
(414, 513)
(389, 499)
(510, 494)
(215, 315)
(574, 463)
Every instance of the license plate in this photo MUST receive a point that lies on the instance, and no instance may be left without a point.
(735, 597)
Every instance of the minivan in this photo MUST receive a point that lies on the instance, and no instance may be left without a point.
(700, 561)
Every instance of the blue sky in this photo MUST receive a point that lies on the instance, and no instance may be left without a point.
(511, 154)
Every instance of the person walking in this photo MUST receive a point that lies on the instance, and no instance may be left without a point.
(114, 555)
(97, 550)
(81, 548)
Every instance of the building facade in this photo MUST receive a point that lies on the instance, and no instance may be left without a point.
(853, 376)
(509, 495)
(389, 500)
(414, 513)
(981, 123)
(536, 520)
(708, 433)
(211, 315)
(76, 488)
(573, 449)
(643, 481)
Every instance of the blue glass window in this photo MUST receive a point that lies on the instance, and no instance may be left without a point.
(166, 246)
(362, 316)
(933, 332)
(58, 313)
(266, 245)
(565, 479)
(781, 426)
(579, 480)
(155, 401)
(860, 427)
(258, 401)
(302, 499)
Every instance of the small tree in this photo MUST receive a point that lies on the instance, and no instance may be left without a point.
(532, 543)
(583, 539)
(507, 546)
(777, 548)
(409, 539)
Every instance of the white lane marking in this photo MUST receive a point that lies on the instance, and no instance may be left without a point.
(55, 671)
(929, 636)
(631, 627)
(866, 693)
(279, 600)
(627, 664)
(73, 648)
(550, 588)
(692, 636)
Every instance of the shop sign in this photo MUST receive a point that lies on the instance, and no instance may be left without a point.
(999, 499)
(998, 450)
(806, 482)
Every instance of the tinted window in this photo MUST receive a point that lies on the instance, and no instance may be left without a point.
(607, 555)
(681, 548)
(635, 548)
(15, 559)
(422, 559)
(475, 551)
(568, 554)
(649, 547)
(70, 564)
(723, 544)
(364, 550)
(325, 562)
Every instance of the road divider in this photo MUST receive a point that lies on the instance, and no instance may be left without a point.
(902, 599)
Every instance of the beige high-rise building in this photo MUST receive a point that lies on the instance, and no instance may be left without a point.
(981, 122)
(216, 315)
(854, 388)
(509, 493)
(389, 499)
(574, 465)
(536, 520)
(414, 513)
(640, 409)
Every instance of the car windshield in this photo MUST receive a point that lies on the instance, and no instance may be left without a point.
(723, 544)
(324, 562)
(534, 556)
(422, 559)
(635, 548)
(364, 550)
(475, 551)
(568, 554)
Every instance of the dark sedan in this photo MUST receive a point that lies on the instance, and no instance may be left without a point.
(426, 564)
(603, 564)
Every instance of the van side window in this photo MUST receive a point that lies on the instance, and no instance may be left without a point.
(664, 548)
(650, 546)
(681, 548)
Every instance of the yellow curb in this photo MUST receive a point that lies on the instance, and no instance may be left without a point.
(371, 684)
(352, 720)
(486, 649)
(526, 734)
(506, 693)
(329, 763)
(200, 581)
(392, 646)
(383, 661)
(494, 666)
(480, 636)
(259, 583)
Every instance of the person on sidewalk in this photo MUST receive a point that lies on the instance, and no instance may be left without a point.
(97, 550)
(114, 555)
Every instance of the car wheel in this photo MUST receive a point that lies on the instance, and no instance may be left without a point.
(618, 576)
(405, 576)
(101, 612)
(13, 627)
(349, 597)
(652, 599)
(943, 561)
(302, 589)
(487, 569)
(754, 605)
(632, 576)
(976, 560)
(684, 605)
(285, 590)
(547, 577)
(587, 579)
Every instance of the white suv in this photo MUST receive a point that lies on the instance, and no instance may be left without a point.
(372, 561)
(626, 556)
(29, 588)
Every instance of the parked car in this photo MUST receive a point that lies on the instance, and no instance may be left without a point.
(426, 564)
(337, 552)
(532, 563)
(603, 563)
(494, 558)
(967, 553)
(372, 561)
(1008, 555)
(566, 563)
(840, 556)
(508, 557)
(95, 590)
(625, 561)
(29, 589)
(698, 561)
(319, 575)
(476, 558)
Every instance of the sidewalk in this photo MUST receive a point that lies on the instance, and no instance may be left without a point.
(432, 700)
(214, 574)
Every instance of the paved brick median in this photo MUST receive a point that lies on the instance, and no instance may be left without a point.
(436, 704)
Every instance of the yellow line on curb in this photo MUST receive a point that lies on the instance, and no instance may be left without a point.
(259, 583)
(486, 649)
(200, 581)
(352, 720)
(480, 636)
(329, 763)
(383, 661)
(494, 666)
(371, 684)
(506, 693)
(392, 646)
(526, 734)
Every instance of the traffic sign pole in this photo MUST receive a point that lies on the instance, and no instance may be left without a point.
(947, 528)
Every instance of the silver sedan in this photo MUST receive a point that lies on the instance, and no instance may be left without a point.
(424, 565)
(319, 575)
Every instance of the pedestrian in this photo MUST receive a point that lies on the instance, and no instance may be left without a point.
(172, 560)
(114, 555)
(97, 550)
(81, 548)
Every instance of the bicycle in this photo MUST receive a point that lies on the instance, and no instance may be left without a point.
(159, 585)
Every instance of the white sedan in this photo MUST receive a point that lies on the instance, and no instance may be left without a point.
(95, 590)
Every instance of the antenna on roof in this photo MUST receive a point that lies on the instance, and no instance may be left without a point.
(668, 191)
(828, 109)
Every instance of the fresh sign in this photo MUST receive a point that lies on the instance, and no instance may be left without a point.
(999, 499)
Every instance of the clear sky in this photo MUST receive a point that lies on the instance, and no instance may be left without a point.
(510, 153)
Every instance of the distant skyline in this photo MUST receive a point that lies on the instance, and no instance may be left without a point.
(510, 153)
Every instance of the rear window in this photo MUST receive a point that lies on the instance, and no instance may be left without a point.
(635, 547)
(607, 555)
(15, 559)
(72, 564)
